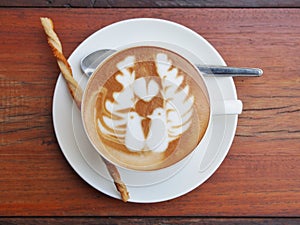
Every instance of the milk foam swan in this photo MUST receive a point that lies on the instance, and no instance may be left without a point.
(167, 123)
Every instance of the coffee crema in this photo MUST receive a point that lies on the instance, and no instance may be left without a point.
(145, 108)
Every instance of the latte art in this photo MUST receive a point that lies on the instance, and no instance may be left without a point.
(167, 123)
(145, 108)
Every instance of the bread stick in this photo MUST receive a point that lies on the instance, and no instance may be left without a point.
(62, 62)
(121, 187)
(76, 93)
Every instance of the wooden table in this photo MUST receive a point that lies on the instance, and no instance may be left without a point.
(258, 182)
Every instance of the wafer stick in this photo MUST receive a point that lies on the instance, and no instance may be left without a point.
(76, 92)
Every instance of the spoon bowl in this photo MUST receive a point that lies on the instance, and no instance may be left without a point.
(89, 63)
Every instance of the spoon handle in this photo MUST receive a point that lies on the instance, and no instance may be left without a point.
(229, 71)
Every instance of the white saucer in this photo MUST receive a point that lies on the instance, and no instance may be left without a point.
(145, 186)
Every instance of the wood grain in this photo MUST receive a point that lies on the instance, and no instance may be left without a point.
(260, 175)
(151, 220)
(151, 3)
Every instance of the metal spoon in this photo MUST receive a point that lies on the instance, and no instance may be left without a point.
(90, 62)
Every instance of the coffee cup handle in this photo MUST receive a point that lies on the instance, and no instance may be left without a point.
(227, 107)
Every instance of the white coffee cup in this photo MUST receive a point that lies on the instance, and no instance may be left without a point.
(121, 141)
